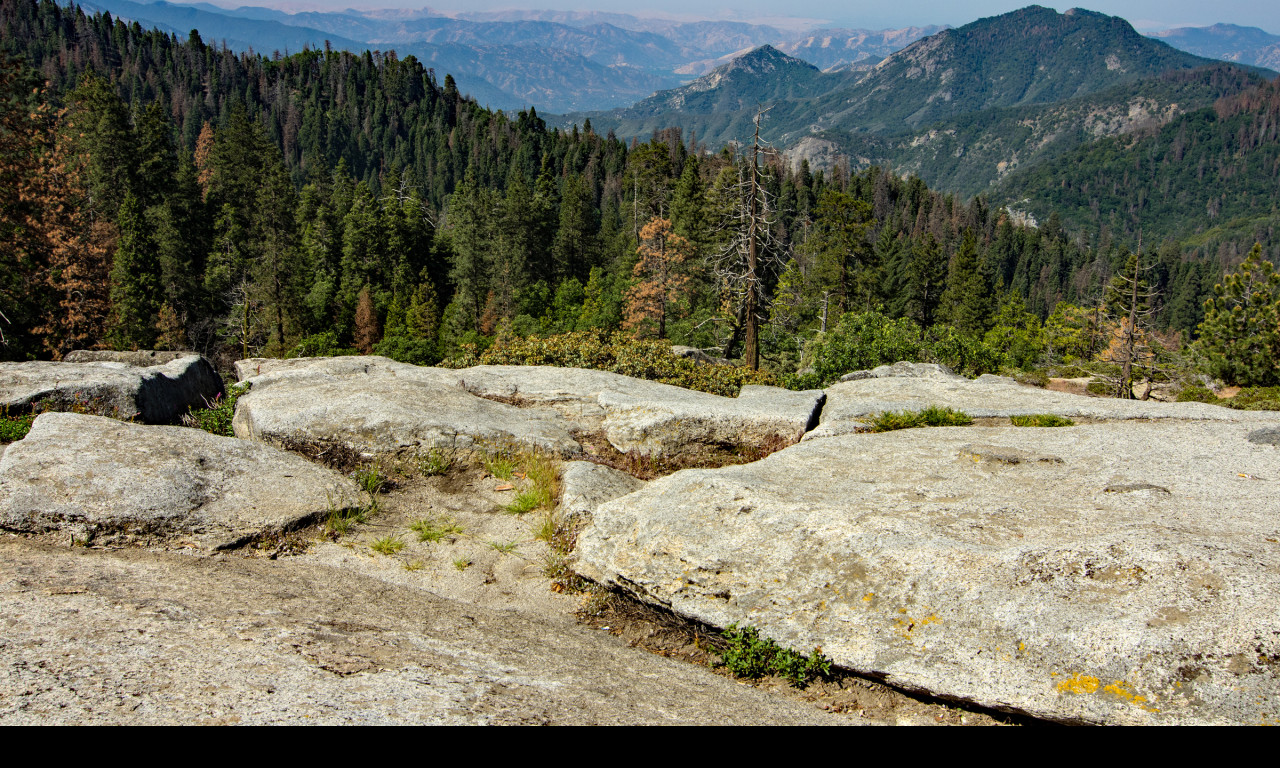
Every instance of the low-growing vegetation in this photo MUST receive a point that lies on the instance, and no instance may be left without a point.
(1247, 399)
(217, 415)
(933, 416)
(601, 350)
(387, 545)
(13, 428)
(1041, 420)
(751, 656)
(433, 530)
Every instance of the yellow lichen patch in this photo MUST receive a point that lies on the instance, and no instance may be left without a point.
(1079, 684)
(1121, 690)
(907, 625)
(867, 597)
(1022, 647)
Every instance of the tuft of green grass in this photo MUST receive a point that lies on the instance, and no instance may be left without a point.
(1041, 420)
(413, 565)
(371, 480)
(933, 416)
(432, 530)
(526, 501)
(751, 656)
(500, 462)
(387, 545)
(436, 462)
(340, 521)
(541, 474)
(505, 549)
(462, 563)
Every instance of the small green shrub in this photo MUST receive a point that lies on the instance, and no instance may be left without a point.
(13, 428)
(505, 549)
(462, 563)
(1041, 420)
(1255, 399)
(216, 418)
(650, 359)
(1032, 378)
(750, 656)
(387, 545)
(432, 530)
(1197, 394)
(933, 416)
(320, 345)
(403, 349)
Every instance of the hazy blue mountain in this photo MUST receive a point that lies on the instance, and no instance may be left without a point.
(262, 34)
(839, 48)
(497, 74)
(1229, 42)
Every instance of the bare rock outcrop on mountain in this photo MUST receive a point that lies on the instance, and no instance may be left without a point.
(1124, 572)
(99, 479)
(126, 385)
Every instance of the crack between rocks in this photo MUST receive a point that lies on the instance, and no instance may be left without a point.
(816, 416)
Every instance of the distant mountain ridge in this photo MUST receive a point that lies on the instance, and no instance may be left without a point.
(556, 61)
(962, 108)
(1229, 42)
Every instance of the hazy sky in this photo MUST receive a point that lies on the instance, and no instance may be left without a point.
(1144, 14)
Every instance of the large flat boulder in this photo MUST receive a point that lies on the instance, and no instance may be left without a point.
(98, 478)
(1123, 572)
(354, 400)
(649, 417)
(155, 394)
(913, 387)
(375, 405)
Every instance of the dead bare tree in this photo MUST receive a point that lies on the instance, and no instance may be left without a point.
(751, 251)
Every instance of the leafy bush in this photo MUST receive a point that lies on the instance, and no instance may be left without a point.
(404, 349)
(1197, 394)
(750, 656)
(216, 418)
(1255, 399)
(933, 416)
(320, 345)
(864, 340)
(1041, 420)
(616, 352)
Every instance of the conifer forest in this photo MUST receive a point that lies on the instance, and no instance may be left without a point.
(166, 193)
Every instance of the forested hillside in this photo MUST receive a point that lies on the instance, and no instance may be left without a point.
(164, 193)
(1207, 178)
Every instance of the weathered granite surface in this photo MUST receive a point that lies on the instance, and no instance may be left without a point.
(1124, 572)
(907, 386)
(585, 485)
(155, 394)
(100, 479)
(376, 404)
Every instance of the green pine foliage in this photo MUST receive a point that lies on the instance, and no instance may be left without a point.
(1240, 335)
(251, 202)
